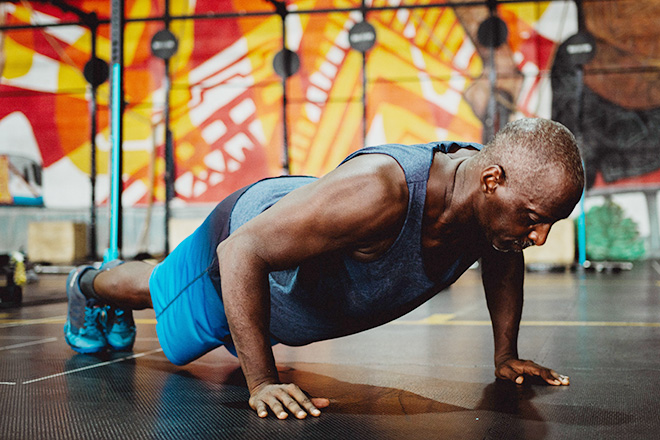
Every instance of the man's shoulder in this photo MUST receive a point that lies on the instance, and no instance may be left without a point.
(378, 169)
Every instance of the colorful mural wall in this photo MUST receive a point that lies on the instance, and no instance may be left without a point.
(427, 79)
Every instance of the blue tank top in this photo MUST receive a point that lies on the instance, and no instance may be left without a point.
(335, 295)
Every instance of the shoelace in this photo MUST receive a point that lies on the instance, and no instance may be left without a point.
(120, 319)
(92, 319)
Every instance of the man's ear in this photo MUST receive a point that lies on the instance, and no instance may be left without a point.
(491, 178)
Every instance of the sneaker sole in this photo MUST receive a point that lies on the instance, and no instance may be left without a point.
(127, 345)
(82, 350)
(120, 347)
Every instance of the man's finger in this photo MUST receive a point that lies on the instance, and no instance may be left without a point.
(260, 408)
(293, 407)
(508, 373)
(534, 369)
(515, 369)
(320, 402)
(278, 409)
(557, 379)
(305, 401)
(549, 376)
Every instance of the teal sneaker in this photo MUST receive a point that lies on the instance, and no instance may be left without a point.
(120, 326)
(120, 329)
(85, 319)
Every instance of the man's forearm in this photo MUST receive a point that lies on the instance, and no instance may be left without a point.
(506, 325)
(246, 296)
(247, 307)
(253, 348)
(503, 284)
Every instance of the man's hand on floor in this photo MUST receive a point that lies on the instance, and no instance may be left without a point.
(515, 369)
(280, 398)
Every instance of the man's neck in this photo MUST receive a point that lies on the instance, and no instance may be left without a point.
(451, 191)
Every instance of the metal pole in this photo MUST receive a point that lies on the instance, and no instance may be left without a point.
(582, 219)
(169, 166)
(117, 107)
(169, 144)
(286, 166)
(492, 79)
(654, 242)
(364, 83)
(579, 78)
(280, 9)
(93, 130)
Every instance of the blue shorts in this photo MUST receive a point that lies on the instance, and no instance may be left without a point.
(185, 291)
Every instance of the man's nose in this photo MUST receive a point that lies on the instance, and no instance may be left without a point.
(539, 234)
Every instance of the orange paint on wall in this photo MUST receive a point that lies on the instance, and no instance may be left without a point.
(138, 85)
(72, 117)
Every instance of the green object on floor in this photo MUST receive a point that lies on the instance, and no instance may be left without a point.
(611, 235)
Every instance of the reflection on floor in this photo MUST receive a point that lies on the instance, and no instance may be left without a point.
(428, 375)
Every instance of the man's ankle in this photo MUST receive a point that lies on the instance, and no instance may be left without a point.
(87, 284)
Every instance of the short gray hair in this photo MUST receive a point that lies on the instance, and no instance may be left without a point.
(525, 148)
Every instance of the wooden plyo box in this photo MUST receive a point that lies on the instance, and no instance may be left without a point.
(559, 248)
(57, 242)
(181, 228)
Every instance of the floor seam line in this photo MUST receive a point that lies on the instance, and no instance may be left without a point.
(89, 367)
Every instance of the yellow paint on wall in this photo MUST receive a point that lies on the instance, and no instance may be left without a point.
(347, 137)
(20, 61)
(454, 41)
(184, 32)
(392, 62)
(103, 94)
(132, 33)
(334, 124)
(83, 42)
(184, 151)
(448, 21)
(134, 160)
(180, 126)
(270, 94)
(22, 14)
(137, 127)
(306, 127)
(80, 158)
(103, 48)
(198, 169)
(179, 99)
(71, 79)
(269, 122)
(264, 42)
(296, 155)
(134, 30)
(430, 35)
(530, 13)
(398, 122)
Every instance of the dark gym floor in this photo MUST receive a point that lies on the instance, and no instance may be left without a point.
(428, 375)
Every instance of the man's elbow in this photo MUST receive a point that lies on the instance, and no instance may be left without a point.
(239, 252)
